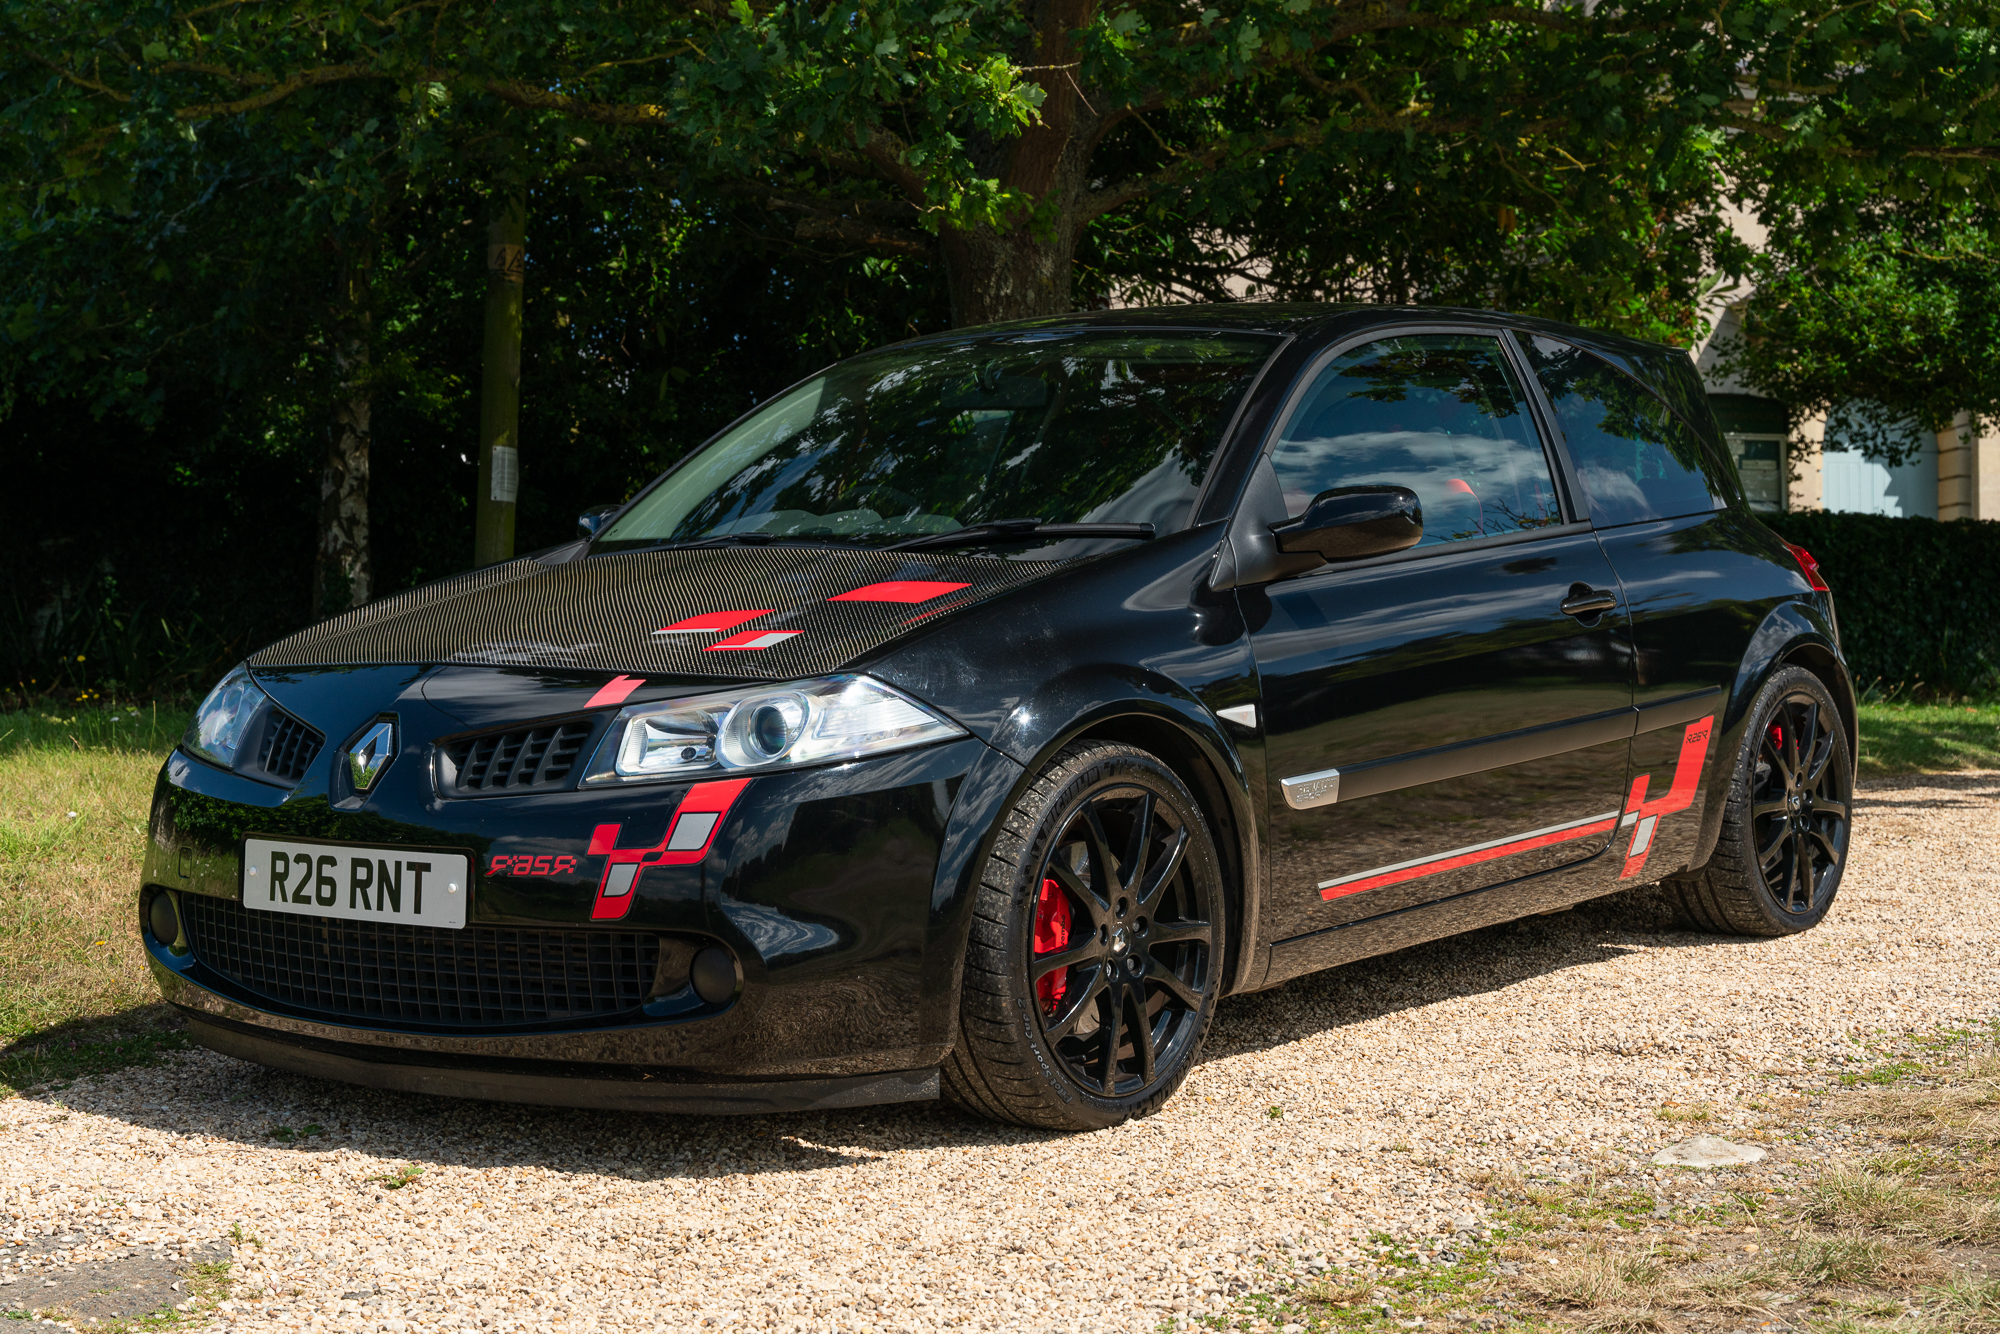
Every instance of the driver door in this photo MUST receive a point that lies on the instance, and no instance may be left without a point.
(1452, 716)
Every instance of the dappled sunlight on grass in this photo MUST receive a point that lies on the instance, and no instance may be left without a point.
(1905, 738)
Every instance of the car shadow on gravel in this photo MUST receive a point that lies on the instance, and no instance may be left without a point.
(1473, 964)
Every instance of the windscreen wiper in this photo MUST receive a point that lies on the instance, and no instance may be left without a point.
(1021, 530)
(751, 539)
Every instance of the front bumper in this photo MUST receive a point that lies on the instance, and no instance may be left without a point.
(840, 893)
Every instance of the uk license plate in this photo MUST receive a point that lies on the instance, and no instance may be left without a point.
(411, 886)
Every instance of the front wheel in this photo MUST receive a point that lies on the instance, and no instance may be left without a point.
(1097, 946)
(1778, 862)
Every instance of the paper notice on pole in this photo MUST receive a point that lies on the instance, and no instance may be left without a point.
(506, 473)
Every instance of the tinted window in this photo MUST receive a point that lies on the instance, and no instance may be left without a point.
(1060, 425)
(1439, 413)
(1635, 458)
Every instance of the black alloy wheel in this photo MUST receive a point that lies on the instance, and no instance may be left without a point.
(1092, 976)
(1122, 950)
(1783, 845)
(1799, 803)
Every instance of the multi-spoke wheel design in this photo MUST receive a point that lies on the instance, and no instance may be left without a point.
(1097, 946)
(1783, 844)
(1124, 945)
(1799, 803)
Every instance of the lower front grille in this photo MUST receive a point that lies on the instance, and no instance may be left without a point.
(477, 976)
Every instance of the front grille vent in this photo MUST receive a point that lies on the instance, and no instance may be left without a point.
(429, 975)
(526, 759)
(288, 747)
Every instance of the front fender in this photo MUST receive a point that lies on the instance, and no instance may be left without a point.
(1117, 702)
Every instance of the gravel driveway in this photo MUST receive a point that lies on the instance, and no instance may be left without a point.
(1337, 1105)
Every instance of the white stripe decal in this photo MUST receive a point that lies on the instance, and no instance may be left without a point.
(1467, 851)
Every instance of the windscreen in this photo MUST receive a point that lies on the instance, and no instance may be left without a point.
(1068, 426)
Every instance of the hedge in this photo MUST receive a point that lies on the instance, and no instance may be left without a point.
(1918, 600)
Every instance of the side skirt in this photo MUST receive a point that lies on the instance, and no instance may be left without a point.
(1547, 891)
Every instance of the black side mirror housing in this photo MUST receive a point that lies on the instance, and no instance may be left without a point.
(591, 522)
(1350, 522)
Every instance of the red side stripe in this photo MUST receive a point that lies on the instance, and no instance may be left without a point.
(1452, 863)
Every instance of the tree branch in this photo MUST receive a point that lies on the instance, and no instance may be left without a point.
(823, 227)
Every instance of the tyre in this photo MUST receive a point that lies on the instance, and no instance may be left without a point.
(1096, 950)
(1778, 862)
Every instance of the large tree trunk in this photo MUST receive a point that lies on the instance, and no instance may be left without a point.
(1007, 276)
(342, 577)
(1025, 269)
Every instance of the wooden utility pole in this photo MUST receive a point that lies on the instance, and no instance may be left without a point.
(500, 383)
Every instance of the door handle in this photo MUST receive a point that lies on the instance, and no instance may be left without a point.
(1584, 601)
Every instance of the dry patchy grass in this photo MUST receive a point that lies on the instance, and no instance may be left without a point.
(1883, 1245)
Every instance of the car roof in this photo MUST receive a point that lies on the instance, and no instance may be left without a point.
(1295, 318)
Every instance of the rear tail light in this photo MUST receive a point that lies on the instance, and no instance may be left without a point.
(1808, 567)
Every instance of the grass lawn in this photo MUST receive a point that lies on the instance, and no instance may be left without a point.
(1911, 738)
(75, 785)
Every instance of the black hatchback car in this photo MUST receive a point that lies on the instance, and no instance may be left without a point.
(969, 718)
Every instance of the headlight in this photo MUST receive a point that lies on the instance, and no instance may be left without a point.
(223, 718)
(838, 718)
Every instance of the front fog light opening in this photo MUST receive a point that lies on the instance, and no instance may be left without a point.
(163, 919)
(713, 973)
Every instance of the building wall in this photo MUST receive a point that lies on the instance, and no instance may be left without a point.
(1852, 483)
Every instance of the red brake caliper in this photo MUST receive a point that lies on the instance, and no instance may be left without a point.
(1052, 935)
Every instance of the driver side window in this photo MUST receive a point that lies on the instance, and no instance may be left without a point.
(1441, 414)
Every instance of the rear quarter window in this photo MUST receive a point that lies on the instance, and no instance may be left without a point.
(1635, 458)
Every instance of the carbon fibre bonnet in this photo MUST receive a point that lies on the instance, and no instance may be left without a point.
(759, 612)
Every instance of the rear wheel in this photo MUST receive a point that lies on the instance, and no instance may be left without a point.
(1778, 862)
(1096, 948)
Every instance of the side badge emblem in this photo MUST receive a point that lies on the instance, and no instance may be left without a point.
(368, 757)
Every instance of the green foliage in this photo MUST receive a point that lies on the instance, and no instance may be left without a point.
(1916, 599)
(182, 532)
(1894, 319)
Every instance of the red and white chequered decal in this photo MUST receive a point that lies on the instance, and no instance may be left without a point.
(686, 841)
(750, 639)
(1644, 816)
(711, 622)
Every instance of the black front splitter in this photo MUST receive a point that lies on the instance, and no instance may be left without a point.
(600, 1088)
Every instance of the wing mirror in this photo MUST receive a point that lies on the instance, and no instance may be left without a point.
(591, 522)
(1350, 522)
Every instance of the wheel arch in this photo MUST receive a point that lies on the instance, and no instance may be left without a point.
(1157, 714)
(1795, 633)
(1231, 821)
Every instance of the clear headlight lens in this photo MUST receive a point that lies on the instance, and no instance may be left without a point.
(224, 716)
(806, 722)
